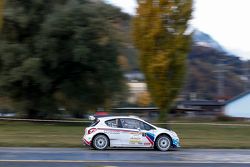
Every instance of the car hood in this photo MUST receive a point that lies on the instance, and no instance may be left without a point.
(163, 129)
(168, 131)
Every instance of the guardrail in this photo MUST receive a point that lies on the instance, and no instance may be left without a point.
(43, 120)
(205, 123)
(84, 121)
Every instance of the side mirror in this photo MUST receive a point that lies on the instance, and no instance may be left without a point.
(139, 129)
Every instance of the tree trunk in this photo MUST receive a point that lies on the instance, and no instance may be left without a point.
(32, 113)
(163, 118)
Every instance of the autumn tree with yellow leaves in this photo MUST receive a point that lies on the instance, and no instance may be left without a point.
(143, 99)
(160, 34)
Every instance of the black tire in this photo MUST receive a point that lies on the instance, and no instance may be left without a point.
(163, 143)
(100, 142)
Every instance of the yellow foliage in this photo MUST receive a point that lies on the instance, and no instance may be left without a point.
(144, 99)
(159, 35)
(123, 62)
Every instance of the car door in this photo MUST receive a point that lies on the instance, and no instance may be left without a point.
(148, 134)
(136, 133)
(114, 132)
(131, 135)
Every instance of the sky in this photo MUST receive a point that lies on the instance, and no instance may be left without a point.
(226, 21)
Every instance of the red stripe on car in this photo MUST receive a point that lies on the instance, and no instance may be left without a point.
(85, 141)
(151, 142)
(117, 130)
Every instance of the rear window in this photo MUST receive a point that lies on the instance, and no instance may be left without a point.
(112, 123)
(95, 123)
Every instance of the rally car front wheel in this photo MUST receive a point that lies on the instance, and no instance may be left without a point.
(100, 142)
(163, 143)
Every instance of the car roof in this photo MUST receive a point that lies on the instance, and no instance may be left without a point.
(115, 117)
(106, 118)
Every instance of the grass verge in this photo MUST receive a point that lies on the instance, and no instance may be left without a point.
(28, 134)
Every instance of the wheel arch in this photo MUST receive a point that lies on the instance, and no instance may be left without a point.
(166, 134)
(101, 133)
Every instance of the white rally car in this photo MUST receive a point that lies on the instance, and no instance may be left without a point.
(128, 131)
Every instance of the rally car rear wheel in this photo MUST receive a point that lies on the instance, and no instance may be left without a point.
(163, 143)
(100, 142)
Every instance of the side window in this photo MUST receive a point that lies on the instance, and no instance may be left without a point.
(130, 123)
(112, 123)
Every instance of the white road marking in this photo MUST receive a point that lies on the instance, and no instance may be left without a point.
(123, 161)
(146, 151)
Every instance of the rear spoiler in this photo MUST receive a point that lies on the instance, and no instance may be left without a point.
(92, 118)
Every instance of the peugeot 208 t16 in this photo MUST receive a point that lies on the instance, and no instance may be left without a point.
(128, 131)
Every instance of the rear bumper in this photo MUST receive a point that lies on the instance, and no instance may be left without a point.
(86, 142)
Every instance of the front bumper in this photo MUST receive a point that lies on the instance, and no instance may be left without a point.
(176, 143)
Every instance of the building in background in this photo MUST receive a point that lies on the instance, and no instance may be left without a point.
(135, 89)
(199, 108)
(238, 106)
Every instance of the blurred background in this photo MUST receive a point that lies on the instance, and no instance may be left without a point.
(68, 59)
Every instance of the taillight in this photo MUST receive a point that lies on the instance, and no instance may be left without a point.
(91, 130)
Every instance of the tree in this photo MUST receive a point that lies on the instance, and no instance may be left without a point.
(160, 36)
(58, 53)
(1, 13)
(123, 62)
(143, 99)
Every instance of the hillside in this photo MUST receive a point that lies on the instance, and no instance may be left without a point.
(207, 62)
(210, 70)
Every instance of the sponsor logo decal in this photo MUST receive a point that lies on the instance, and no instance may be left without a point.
(135, 140)
(111, 132)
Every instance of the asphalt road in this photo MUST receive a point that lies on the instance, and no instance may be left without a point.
(80, 157)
